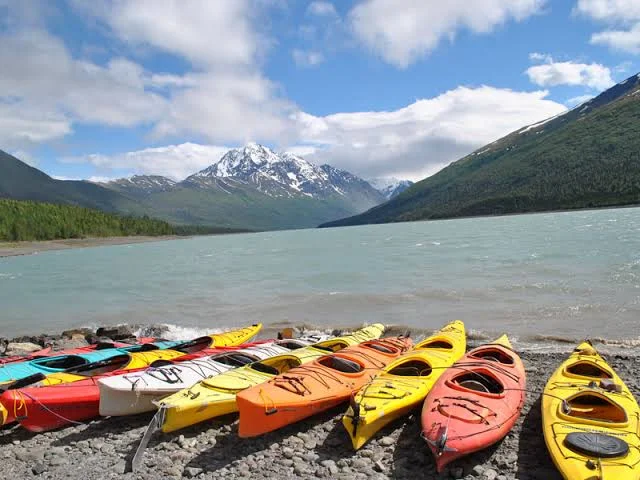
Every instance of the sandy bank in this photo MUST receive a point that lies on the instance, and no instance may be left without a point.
(10, 249)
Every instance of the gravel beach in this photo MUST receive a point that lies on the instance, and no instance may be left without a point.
(316, 448)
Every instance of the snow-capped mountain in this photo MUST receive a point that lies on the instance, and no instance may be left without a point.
(390, 187)
(142, 184)
(282, 175)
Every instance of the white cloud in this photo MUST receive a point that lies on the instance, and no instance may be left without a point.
(48, 90)
(402, 31)
(622, 40)
(173, 161)
(419, 139)
(622, 15)
(23, 125)
(321, 9)
(579, 100)
(609, 10)
(208, 33)
(304, 58)
(551, 73)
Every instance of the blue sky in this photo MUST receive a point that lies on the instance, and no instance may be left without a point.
(110, 88)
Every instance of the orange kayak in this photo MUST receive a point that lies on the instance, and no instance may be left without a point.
(314, 387)
(475, 403)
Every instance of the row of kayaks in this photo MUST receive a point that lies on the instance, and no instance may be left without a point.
(468, 400)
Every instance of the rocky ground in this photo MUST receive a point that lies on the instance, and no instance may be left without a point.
(316, 448)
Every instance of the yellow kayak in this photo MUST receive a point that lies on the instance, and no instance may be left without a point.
(590, 420)
(216, 396)
(403, 384)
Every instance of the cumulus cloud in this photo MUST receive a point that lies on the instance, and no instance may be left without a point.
(551, 73)
(624, 18)
(609, 10)
(421, 138)
(307, 58)
(173, 161)
(402, 31)
(183, 27)
(622, 40)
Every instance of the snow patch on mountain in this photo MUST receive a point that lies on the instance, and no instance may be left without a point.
(390, 186)
(147, 183)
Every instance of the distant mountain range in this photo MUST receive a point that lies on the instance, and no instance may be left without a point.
(252, 187)
(586, 157)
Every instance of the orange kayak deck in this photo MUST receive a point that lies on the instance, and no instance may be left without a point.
(315, 387)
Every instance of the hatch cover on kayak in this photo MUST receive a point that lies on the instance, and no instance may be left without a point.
(596, 444)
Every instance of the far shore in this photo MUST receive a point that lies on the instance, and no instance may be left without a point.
(12, 249)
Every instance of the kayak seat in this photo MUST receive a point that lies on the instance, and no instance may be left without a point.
(412, 368)
(598, 445)
(268, 369)
(588, 369)
(494, 355)
(147, 347)
(341, 364)
(105, 345)
(595, 408)
(479, 382)
(474, 385)
(23, 382)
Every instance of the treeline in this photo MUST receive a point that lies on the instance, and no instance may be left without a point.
(27, 220)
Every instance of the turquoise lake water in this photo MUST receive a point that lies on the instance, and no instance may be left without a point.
(536, 277)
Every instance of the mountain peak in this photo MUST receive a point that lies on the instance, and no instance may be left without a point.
(278, 174)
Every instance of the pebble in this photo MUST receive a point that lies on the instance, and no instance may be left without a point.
(192, 472)
(387, 441)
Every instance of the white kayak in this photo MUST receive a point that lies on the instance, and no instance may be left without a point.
(133, 393)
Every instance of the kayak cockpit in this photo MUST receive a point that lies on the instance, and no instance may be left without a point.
(276, 365)
(236, 359)
(587, 369)
(494, 355)
(412, 368)
(100, 367)
(341, 364)
(63, 362)
(379, 347)
(477, 381)
(594, 407)
(331, 345)
(436, 343)
(193, 346)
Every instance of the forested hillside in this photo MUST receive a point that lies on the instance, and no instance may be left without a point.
(26, 220)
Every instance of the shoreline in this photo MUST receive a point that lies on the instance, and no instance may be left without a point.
(31, 247)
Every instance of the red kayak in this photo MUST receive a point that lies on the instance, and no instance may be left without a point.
(475, 403)
(50, 352)
(44, 408)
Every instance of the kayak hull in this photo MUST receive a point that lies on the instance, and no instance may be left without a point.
(475, 403)
(411, 377)
(585, 398)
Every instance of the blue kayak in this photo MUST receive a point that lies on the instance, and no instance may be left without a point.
(11, 372)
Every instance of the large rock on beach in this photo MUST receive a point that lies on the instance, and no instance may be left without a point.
(15, 348)
(119, 332)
